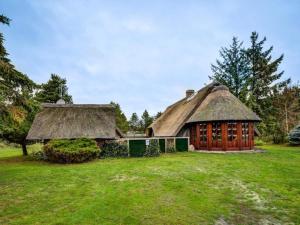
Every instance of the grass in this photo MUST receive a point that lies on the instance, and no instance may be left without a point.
(181, 188)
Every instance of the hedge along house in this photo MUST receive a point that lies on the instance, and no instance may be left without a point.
(72, 121)
(213, 118)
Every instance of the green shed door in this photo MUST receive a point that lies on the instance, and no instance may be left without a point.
(137, 148)
(182, 144)
(162, 145)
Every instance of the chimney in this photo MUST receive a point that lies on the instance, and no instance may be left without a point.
(189, 93)
(61, 102)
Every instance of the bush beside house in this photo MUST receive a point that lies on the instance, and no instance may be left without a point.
(84, 149)
(114, 149)
(71, 151)
(153, 148)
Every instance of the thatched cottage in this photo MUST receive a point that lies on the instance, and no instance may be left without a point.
(71, 121)
(212, 117)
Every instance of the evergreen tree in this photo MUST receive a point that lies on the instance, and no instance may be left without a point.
(17, 107)
(121, 120)
(55, 89)
(252, 75)
(3, 53)
(263, 74)
(157, 115)
(263, 86)
(146, 120)
(232, 69)
(134, 122)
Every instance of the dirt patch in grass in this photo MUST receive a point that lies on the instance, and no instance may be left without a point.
(123, 177)
(248, 194)
(221, 221)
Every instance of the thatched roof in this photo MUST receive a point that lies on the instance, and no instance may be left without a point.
(220, 105)
(56, 121)
(214, 102)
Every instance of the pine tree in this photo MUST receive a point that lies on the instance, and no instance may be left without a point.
(263, 85)
(134, 122)
(55, 89)
(232, 69)
(157, 115)
(17, 107)
(121, 120)
(146, 120)
(3, 53)
(263, 74)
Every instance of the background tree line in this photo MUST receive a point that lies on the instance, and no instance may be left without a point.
(135, 124)
(253, 75)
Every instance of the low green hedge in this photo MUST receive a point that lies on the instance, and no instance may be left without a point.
(37, 156)
(114, 149)
(71, 151)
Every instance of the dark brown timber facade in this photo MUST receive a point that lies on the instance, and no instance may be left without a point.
(220, 135)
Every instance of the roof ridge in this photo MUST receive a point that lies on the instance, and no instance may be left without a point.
(53, 105)
(208, 91)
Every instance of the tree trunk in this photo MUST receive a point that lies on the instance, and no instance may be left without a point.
(286, 119)
(24, 149)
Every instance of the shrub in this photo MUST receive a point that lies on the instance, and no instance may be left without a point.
(171, 149)
(259, 142)
(170, 145)
(114, 149)
(37, 155)
(71, 151)
(2, 144)
(294, 136)
(152, 149)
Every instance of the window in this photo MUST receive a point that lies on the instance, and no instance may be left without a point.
(203, 133)
(216, 132)
(245, 131)
(232, 131)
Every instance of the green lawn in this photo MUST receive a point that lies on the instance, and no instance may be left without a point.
(181, 188)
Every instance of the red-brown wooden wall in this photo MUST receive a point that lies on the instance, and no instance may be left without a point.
(225, 136)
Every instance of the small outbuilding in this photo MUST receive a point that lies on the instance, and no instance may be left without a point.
(72, 121)
(212, 117)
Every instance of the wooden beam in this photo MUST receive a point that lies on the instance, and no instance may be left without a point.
(224, 130)
(239, 135)
(198, 135)
(251, 135)
(209, 135)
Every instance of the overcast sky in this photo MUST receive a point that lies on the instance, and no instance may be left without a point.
(141, 54)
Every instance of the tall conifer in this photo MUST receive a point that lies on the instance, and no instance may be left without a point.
(232, 69)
